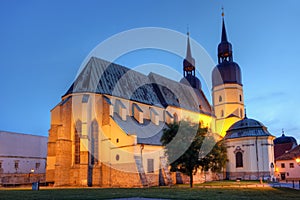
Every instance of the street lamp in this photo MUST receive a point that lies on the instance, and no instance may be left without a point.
(298, 161)
(31, 172)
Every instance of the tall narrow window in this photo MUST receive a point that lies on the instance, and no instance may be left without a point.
(175, 118)
(150, 165)
(94, 143)
(241, 98)
(241, 113)
(222, 113)
(37, 165)
(16, 164)
(239, 159)
(220, 98)
(77, 142)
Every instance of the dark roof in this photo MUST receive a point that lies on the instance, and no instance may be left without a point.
(103, 77)
(176, 94)
(147, 133)
(280, 149)
(192, 81)
(291, 155)
(226, 72)
(247, 128)
(285, 139)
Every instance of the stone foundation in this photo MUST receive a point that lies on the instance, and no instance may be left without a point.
(248, 175)
(20, 179)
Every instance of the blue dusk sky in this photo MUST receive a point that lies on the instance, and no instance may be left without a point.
(43, 44)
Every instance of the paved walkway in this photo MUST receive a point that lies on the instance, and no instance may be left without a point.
(286, 185)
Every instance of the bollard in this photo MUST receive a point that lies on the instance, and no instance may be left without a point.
(35, 186)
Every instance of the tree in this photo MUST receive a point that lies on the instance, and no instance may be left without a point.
(183, 142)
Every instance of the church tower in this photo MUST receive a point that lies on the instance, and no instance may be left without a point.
(189, 70)
(227, 88)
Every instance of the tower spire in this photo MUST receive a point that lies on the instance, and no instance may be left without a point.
(189, 69)
(224, 48)
(224, 34)
(188, 48)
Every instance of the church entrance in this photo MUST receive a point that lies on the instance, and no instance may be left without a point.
(282, 175)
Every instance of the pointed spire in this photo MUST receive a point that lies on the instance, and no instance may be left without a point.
(224, 35)
(188, 50)
(224, 48)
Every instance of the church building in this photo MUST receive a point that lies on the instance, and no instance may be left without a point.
(106, 130)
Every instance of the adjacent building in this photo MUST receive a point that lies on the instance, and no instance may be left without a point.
(22, 158)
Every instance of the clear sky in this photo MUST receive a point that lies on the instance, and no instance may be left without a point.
(43, 44)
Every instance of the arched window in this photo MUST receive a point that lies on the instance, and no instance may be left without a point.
(94, 143)
(175, 118)
(241, 98)
(220, 98)
(77, 142)
(239, 159)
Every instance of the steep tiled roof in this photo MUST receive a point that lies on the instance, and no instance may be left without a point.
(173, 93)
(102, 77)
(280, 149)
(291, 155)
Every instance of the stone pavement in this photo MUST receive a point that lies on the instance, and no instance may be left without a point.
(286, 185)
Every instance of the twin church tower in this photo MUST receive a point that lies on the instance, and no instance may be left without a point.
(227, 87)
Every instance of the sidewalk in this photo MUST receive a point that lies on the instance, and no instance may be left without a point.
(286, 185)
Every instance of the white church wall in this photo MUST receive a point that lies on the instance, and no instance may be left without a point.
(255, 160)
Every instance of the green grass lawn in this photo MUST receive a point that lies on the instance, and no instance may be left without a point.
(169, 193)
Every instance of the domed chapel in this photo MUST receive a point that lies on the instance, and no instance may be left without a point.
(106, 129)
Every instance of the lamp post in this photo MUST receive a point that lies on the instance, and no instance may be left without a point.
(31, 172)
(272, 171)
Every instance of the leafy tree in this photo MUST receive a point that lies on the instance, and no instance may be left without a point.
(183, 142)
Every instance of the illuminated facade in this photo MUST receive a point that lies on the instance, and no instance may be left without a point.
(106, 130)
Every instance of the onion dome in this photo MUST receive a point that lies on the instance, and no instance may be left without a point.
(285, 139)
(226, 71)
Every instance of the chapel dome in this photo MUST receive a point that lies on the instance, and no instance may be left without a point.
(247, 128)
